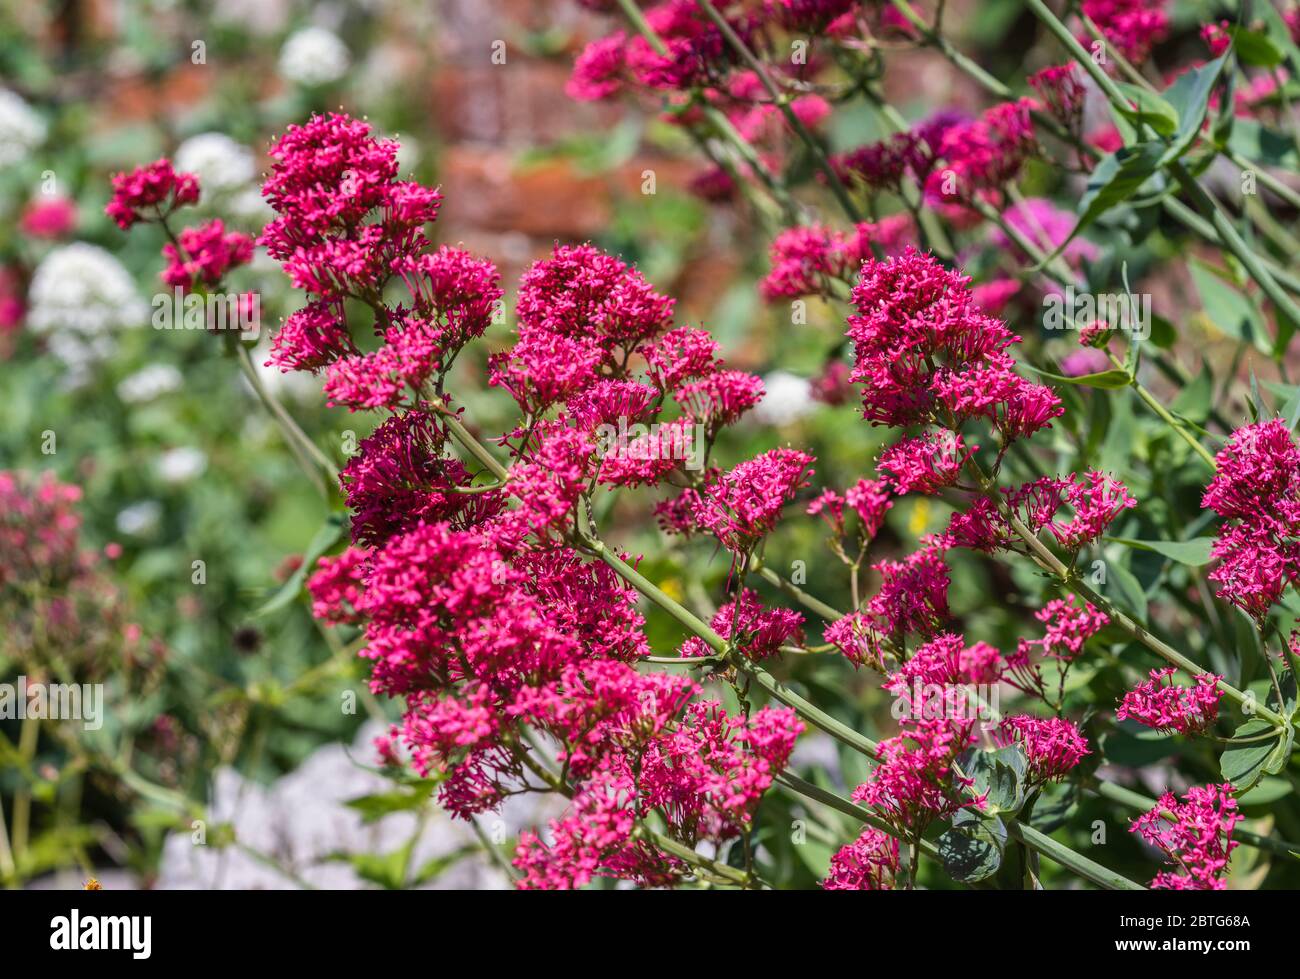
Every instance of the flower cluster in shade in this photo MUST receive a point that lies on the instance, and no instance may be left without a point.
(56, 598)
(478, 613)
(807, 259)
(1134, 27)
(1195, 834)
(952, 159)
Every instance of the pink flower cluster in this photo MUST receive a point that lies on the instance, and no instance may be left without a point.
(740, 507)
(56, 602)
(915, 783)
(156, 189)
(196, 257)
(757, 632)
(695, 68)
(925, 464)
(1133, 26)
(1053, 746)
(39, 529)
(477, 610)
(1164, 705)
(807, 258)
(925, 352)
(202, 256)
(1195, 833)
(976, 159)
(1062, 92)
(1096, 500)
(869, 863)
(1256, 489)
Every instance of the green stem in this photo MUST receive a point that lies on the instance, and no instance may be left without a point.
(309, 456)
(1201, 200)
(782, 102)
(1067, 579)
(1142, 803)
(717, 119)
(1151, 402)
(1069, 859)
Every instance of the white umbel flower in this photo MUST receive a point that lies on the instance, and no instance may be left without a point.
(181, 465)
(149, 383)
(314, 56)
(221, 163)
(787, 398)
(21, 129)
(139, 519)
(82, 289)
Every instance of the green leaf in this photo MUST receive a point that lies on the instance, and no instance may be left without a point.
(1133, 595)
(1280, 34)
(1106, 380)
(1244, 764)
(1280, 755)
(972, 850)
(388, 870)
(1259, 144)
(1190, 97)
(437, 866)
(1149, 108)
(325, 538)
(1268, 789)
(1289, 412)
(1255, 48)
(1163, 332)
(375, 807)
(1054, 807)
(1229, 308)
(999, 775)
(1195, 400)
(1194, 553)
(1116, 178)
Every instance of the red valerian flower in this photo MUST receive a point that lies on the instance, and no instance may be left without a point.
(757, 632)
(740, 507)
(869, 863)
(1164, 705)
(1256, 489)
(1195, 833)
(1053, 746)
(156, 189)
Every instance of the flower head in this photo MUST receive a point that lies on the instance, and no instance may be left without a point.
(1161, 704)
(869, 863)
(1196, 833)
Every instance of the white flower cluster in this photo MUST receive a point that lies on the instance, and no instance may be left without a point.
(79, 295)
(786, 399)
(148, 383)
(227, 172)
(21, 129)
(220, 162)
(314, 56)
